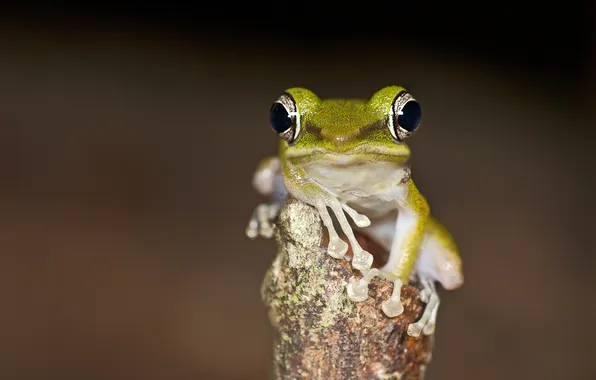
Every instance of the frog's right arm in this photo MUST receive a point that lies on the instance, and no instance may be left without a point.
(268, 181)
(310, 192)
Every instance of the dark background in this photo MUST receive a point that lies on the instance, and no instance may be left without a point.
(128, 137)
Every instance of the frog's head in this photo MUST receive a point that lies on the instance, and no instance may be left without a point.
(346, 131)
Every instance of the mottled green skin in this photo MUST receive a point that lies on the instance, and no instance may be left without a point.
(339, 125)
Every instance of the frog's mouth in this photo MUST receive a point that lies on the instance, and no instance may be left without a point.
(360, 155)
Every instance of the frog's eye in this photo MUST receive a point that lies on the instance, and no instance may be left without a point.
(405, 116)
(284, 118)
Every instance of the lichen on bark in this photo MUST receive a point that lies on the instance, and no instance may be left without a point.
(319, 332)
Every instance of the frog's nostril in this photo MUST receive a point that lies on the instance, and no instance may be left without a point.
(340, 140)
(342, 143)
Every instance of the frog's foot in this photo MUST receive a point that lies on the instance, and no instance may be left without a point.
(426, 324)
(336, 248)
(361, 260)
(359, 219)
(358, 290)
(393, 307)
(261, 221)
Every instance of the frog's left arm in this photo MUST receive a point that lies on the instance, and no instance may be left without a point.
(411, 223)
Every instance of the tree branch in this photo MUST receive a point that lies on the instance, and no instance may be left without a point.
(319, 332)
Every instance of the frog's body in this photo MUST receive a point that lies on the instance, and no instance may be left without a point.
(348, 156)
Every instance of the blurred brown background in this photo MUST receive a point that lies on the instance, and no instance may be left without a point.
(128, 137)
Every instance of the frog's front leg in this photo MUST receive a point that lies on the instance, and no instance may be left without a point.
(310, 192)
(412, 219)
(268, 182)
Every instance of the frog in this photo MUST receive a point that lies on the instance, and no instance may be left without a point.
(348, 158)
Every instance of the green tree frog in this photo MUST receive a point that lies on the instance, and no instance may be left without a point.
(349, 156)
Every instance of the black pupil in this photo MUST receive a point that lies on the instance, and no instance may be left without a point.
(280, 120)
(410, 117)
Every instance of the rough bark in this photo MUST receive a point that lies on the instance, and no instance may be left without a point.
(319, 332)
